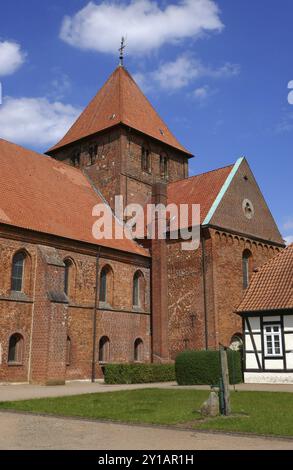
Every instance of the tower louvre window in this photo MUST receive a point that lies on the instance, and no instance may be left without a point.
(75, 159)
(164, 166)
(93, 154)
(145, 159)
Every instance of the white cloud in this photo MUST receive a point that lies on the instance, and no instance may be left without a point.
(178, 74)
(185, 69)
(182, 72)
(289, 239)
(148, 25)
(202, 93)
(11, 57)
(35, 121)
(60, 86)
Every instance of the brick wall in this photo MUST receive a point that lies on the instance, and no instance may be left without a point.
(116, 167)
(228, 279)
(45, 318)
(224, 289)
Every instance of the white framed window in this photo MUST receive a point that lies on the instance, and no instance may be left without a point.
(273, 340)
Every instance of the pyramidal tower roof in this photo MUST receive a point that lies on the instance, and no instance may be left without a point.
(119, 101)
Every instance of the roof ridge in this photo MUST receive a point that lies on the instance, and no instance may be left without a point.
(203, 173)
(121, 103)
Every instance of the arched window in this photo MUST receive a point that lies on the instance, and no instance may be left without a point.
(18, 265)
(68, 351)
(164, 166)
(104, 349)
(236, 342)
(138, 350)
(138, 292)
(106, 285)
(145, 159)
(15, 350)
(246, 267)
(67, 275)
(136, 299)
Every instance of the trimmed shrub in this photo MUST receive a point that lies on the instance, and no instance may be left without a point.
(138, 373)
(203, 367)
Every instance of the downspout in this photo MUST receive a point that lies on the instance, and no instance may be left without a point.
(95, 317)
(205, 293)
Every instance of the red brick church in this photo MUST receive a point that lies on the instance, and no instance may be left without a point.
(69, 303)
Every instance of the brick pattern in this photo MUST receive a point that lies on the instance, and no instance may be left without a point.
(224, 289)
(45, 318)
(116, 167)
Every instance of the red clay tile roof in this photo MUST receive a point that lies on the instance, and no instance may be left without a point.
(44, 195)
(271, 288)
(119, 101)
(201, 189)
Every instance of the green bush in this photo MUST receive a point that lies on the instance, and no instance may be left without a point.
(203, 367)
(138, 373)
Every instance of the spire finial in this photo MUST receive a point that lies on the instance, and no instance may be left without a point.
(121, 50)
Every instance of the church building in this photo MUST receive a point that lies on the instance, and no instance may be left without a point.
(69, 303)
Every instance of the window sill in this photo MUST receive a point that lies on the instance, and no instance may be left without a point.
(15, 364)
(105, 305)
(273, 357)
(137, 309)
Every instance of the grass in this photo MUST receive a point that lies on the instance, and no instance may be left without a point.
(265, 413)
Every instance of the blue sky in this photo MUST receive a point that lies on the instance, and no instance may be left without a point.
(216, 71)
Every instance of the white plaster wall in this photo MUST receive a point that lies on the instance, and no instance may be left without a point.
(251, 362)
(248, 342)
(288, 322)
(289, 342)
(289, 359)
(269, 319)
(277, 364)
(268, 378)
(254, 323)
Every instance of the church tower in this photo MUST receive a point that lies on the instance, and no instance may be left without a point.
(121, 144)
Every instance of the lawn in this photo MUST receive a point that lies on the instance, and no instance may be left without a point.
(256, 412)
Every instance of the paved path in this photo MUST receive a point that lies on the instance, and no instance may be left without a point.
(21, 432)
(25, 392)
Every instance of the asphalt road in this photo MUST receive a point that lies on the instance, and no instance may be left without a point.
(30, 432)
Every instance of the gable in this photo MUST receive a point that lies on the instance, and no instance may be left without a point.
(241, 207)
(201, 189)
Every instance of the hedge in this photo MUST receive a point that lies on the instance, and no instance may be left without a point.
(138, 373)
(203, 367)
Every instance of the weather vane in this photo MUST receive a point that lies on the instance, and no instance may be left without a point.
(121, 50)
